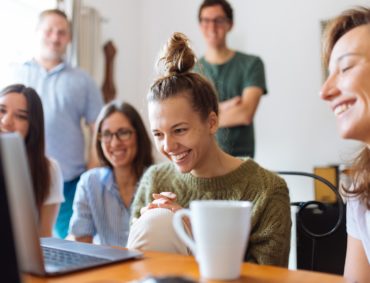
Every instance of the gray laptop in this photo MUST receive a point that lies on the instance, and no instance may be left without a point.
(50, 256)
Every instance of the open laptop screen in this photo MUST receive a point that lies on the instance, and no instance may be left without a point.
(21, 203)
(23, 216)
(8, 257)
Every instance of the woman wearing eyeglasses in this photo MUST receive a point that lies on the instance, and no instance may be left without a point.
(103, 198)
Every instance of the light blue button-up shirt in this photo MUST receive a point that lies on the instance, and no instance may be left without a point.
(68, 95)
(98, 209)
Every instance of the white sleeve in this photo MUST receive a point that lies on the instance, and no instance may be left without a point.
(351, 221)
(56, 184)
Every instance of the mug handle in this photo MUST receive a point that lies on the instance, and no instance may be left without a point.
(178, 225)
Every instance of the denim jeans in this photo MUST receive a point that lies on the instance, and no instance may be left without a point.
(65, 211)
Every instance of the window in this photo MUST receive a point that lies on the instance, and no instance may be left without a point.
(18, 20)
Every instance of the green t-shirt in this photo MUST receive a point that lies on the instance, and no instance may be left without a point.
(230, 79)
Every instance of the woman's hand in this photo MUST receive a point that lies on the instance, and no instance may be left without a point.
(167, 200)
(162, 200)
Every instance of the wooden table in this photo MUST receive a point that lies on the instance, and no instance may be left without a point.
(155, 263)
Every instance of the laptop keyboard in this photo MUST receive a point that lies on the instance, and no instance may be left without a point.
(66, 259)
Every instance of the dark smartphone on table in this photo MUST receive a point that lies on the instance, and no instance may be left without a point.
(167, 279)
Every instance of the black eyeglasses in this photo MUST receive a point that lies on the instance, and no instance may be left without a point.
(121, 134)
(219, 21)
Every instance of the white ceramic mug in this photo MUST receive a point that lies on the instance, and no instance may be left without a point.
(221, 231)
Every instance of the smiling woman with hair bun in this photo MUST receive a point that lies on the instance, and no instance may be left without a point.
(183, 115)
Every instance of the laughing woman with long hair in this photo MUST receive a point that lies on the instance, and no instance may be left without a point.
(21, 111)
(347, 90)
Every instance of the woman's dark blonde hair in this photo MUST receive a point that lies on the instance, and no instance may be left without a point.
(177, 79)
(348, 20)
(340, 25)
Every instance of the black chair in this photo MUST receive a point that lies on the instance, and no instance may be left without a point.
(321, 231)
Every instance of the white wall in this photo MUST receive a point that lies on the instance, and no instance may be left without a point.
(294, 129)
(121, 25)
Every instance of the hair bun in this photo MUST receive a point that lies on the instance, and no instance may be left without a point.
(177, 56)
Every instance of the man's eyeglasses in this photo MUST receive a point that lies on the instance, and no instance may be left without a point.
(219, 21)
(121, 134)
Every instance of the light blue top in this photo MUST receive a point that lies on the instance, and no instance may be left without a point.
(99, 210)
(68, 95)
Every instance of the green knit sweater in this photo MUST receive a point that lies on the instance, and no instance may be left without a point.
(269, 240)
